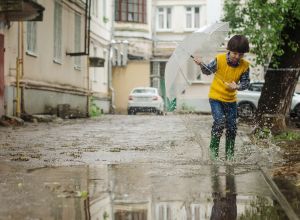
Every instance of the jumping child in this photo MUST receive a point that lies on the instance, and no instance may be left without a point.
(231, 74)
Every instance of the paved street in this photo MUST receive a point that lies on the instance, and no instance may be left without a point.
(117, 139)
(133, 167)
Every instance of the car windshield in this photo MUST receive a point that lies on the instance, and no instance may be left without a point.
(148, 91)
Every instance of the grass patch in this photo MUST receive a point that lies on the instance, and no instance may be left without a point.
(288, 136)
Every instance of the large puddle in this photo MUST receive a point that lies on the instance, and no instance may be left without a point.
(137, 192)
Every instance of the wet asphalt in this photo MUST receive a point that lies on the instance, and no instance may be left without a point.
(134, 167)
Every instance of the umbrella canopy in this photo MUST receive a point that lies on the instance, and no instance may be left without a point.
(181, 70)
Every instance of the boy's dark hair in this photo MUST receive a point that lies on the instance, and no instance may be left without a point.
(238, 43)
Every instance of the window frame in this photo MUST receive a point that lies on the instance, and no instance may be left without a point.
(192, 13)
(95, 8)
(95, 74)
(104, 12)
(57, 33)
(138, 12)
(31, 36)
(77, 40)
(166, 16)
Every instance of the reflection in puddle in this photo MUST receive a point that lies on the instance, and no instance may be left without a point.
(224, 201)
(137, 192)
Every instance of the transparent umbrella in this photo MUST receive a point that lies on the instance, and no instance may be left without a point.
(181, 70)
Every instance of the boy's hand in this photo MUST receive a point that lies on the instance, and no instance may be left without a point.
(197, 60)
(232, 85)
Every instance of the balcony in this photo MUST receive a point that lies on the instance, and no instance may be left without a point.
(20, 10)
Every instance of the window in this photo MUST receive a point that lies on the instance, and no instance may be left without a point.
(31, 37)
(95, 78)
(196, 211)
(77, 41)
(164, 18)
(57, 32)
(147, 91)
(131, 10)
(104, 8)
(94, 7)
(157, 70)
(192, 17)
(163, 211)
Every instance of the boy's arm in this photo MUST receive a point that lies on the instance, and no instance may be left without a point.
(244, 81)
(209, 68)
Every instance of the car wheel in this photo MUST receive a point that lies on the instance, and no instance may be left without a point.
(297, 111)
(131, 112)
(246, 110)
(158, 112)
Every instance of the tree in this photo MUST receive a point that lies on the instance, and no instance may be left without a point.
(273, 27)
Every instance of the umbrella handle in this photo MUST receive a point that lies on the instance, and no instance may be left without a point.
(202, 64)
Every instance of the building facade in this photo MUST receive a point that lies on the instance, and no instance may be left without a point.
(132, 48)
(46, 65)
(44, 75)
(173, 21)
(100, 44)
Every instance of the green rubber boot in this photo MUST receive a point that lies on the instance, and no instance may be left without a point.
(229, 148)
(214, 147)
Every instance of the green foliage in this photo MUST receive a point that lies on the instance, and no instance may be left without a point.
(287, 136)
(263, 209)
(265, 136)
(231, 7)
(84, 194)
(263, 133)
(94, 109)
(105, 216)
(263, 22)
(105, 19)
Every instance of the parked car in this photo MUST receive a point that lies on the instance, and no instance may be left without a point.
(145, 99)
(247, 101)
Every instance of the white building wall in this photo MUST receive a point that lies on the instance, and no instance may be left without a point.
(214, 11)
(50, 82)
(165, 41)
(134, 39)
(138, 35)
(101, 35)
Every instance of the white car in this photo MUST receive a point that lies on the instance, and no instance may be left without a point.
(247, 101)
(145, 99)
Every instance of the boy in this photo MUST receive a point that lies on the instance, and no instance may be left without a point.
(231, 74)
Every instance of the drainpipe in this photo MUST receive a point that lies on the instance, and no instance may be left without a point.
(87, 32)
(111, 89)
(19, 68)
(22, 107)
(88, 88)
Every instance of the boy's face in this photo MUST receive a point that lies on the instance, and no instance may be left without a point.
(235, 56)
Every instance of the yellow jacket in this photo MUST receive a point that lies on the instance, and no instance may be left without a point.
(226, 73)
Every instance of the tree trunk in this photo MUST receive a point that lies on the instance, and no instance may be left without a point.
(275, 101)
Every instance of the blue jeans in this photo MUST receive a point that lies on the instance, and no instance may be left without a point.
(224, 115)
